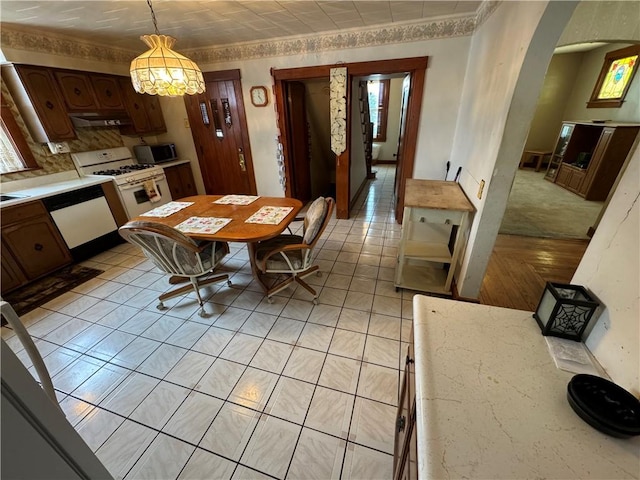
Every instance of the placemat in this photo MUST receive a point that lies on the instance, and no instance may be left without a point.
(236, 200)
(209, 225)
(269, 215)
(166, 209)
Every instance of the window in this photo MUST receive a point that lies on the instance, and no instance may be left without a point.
(378, 91)
(15, 154)
(616, 75)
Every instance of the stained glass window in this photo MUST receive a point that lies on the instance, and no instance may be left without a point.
(616, 75)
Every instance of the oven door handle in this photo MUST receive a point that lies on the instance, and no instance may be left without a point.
(138, 183)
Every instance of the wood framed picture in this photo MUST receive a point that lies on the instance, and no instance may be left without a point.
(616, 75)
(259, 96)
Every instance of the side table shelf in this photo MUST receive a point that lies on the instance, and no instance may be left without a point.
(434, 215)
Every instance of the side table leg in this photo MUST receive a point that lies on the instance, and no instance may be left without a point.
(251, 247)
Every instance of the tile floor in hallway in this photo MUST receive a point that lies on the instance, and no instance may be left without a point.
(286, 389)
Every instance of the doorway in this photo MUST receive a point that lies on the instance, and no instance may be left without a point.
(414, 68)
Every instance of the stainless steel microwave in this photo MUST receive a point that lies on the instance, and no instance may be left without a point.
(159, 153)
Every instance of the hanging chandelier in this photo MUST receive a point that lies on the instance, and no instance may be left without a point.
(162, 71)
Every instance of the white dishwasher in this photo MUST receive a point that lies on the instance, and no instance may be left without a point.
(84, 220)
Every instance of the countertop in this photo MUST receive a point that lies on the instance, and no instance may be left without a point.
(490, 402)
(31, 192)
(436, 194)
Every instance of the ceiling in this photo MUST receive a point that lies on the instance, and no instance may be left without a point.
(198, 24)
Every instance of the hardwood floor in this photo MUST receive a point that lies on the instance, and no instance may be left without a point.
(519, 268)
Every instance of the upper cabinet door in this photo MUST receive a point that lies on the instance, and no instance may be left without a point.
(76, 90)
(42, 90)
(107, 92)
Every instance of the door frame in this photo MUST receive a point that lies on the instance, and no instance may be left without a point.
(415, 67)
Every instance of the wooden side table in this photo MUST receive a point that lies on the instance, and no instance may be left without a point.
(435, 216)
(534, 156)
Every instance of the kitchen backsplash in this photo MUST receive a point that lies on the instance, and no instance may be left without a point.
(94, 138)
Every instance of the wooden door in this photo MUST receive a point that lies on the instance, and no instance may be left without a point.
(219, 130)
(299, 141)
(398, 190)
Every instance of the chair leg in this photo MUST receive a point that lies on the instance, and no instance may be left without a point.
(306, 286)
(280, 286)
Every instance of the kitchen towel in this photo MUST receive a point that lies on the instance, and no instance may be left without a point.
(151, 189)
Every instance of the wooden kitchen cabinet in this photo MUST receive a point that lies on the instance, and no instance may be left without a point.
(39, 84)
(85, 92)
(144, 110)
(588, 156)
(405, 446)
(180, 180)
(32, 245)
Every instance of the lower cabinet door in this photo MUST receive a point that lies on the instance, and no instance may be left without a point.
(37, 246)
(12, 276)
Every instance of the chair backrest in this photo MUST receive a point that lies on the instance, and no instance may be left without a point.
(169, 249)
(316, 219)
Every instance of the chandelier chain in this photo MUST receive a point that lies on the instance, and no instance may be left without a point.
(153, 17)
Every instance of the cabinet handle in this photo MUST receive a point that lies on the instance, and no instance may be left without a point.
(49, 105)
(77, 91)
(108, 93)
(38, 247)
(241, 161)
(400, 423)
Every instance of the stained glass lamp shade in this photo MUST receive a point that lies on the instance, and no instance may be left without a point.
(162, 71)
(564, 311)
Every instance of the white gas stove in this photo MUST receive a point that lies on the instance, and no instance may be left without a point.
(141, 186)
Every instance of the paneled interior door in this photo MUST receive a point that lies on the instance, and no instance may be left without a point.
(220, 134)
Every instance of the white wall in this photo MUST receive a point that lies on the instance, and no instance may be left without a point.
(610, 269)
(389, 148)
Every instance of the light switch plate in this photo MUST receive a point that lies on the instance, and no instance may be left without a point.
(58, 147)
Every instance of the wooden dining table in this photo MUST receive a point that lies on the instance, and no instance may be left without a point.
(237, 230)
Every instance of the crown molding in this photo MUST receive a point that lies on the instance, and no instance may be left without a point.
(57, 44)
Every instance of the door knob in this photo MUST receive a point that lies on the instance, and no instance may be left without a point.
(242, 163)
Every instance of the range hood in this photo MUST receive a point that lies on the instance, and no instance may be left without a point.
(81, 120)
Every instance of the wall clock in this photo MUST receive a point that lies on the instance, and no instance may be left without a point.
(259, 96)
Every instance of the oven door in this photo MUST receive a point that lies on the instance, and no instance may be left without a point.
(135, 199)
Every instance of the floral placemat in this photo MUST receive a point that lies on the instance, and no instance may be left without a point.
(166, 209)
(269, 215)
(208, 225)
(236, 200)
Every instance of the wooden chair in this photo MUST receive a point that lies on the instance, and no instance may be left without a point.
(291, 255)
(178, 255)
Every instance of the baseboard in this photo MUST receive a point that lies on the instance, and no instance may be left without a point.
(360, 188)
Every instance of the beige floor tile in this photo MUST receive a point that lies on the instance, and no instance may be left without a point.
(272, 356)
(76, 373)
(304, 364)
(213, 341)
(220, 379)
(164, 458)
(193, 417)
(382, 351)
(230, 431)
(124, 447)
(286, 330)
(232, 319)
(364, 463)
(101, 383)
(372, 424)
(241, 348)
(139, 322)
(258, 324)
(254, 388)
(190, 369)
(134, 353)
(384, 326)
(130, 393)
(162, 360)
(317, 457)
(340, 373)
(246, 473)
(75, 410)
(387, 306)
(347, 344)
(379, 383)
(290, 400)
(354, 320)
(330, 412)
(161, 403)
(359, 301)
(187, 334)
(118, 316)
(97, 426)
(206, 465)
(332, 296)
(326, 315)
(316, 337)
(162, 329)
(271, 446)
